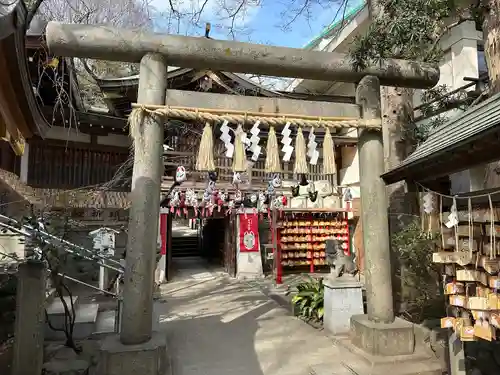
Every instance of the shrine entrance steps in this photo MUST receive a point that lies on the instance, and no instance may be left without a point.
(205, 243)
(183, 247)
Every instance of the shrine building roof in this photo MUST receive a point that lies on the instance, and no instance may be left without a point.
(468, 140)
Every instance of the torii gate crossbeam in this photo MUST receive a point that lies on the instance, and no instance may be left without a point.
(107, 43)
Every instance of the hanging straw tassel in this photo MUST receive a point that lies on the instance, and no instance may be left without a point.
(135, 120)
(239, 158)
(205, 161)
(301, 166)
(329, 165)
(273, 164)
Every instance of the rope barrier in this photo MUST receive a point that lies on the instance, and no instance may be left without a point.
(468, 196)
(197, 115)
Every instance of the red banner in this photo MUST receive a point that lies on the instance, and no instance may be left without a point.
(163, 233)
(249, 233)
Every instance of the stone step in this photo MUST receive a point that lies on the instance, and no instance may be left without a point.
(66, 367)
(176, 243)
(85, 322)
(181, 246)
(55, 309)
(105, 323)
(56, 306)
(363, 363)
(187, 254)
(181, 241)
(183, 253)
(185, 247)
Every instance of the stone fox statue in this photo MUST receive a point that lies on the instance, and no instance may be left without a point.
(337, 259)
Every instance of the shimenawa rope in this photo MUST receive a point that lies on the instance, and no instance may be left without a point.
(269, 121)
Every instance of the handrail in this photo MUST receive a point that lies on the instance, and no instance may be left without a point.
(67, 243)
(28, 231)
(13, 229)
(67, 277)
(87, 285)
(64, 242)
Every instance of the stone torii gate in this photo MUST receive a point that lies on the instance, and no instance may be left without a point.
(138, 349)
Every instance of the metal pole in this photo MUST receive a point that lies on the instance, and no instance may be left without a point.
(137, 316)
(108, 43)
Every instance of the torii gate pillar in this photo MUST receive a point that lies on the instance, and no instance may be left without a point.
(378, 332)
(139, 350)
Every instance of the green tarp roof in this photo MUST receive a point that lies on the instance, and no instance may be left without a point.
(353, 8)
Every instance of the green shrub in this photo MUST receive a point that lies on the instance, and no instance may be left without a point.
(308, 299)
(421, 294)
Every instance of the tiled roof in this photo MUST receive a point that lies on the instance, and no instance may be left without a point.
(456, 132)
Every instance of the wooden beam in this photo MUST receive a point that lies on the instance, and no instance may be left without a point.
(93, 118)
(84, 117)
(35, 42)
(13, 121)
(202, 185)
(318, 97)
(81, 145)
(195, 99)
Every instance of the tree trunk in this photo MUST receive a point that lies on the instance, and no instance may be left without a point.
(397, 113)
(491, 37)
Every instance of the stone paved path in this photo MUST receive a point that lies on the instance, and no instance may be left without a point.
(219, 326)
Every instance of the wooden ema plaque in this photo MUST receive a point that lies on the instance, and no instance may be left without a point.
(483, 330)
(470, 257)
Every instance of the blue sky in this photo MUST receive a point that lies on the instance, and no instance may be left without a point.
(263, 22)
(267, 30)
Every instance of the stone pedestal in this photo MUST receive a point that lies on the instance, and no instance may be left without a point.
(30, 319)
(343, 299)
(148, 358)
(456, 354)
(384, 339)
